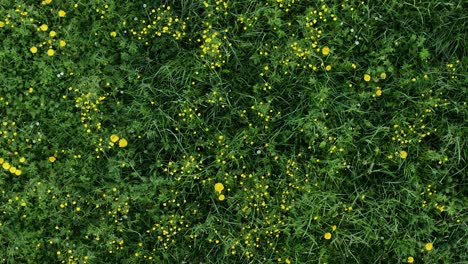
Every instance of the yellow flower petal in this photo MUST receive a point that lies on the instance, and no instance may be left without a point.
(123, 143)
(219, 187)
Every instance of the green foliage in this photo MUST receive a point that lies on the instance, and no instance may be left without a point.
(278, 131)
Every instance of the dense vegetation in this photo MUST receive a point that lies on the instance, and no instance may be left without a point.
(224, 131)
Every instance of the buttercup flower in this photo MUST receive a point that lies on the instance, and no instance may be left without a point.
(367, 77)
(327, 236)
(123, 143)
(325, 50)
(219, 187)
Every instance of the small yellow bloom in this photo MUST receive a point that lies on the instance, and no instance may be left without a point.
(123, 143)
(328, 68)
(221, 197)
(62, 43)
(219, 187)
(113, 34)
(23, 204)
(18, 172)
(6, 166)
(2, 24)
(410, 260)
(12, 170)
(51, 52)
(383, 75)
(22, 159)
(1, 160)
(378, 92)
(114, 138)
(44, 27)
(61, 13)
(52, 33)
(403, 154)
(334, 227)
(367, 77)
(325, 50)
(33, 50)
(429, 246)
(78, 209)
(327, 236)
(52, 159)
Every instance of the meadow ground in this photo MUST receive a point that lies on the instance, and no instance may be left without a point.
(227, 131)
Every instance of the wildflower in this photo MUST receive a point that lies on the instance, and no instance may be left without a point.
(62, 43)
(328, 68)
(61, 13)
(383, 75)
(33, 50)
(52, 33)
(123, 143)
(367, 77)
(403, 154)
(44, 27)
(334, 227)
(2, 24)
(18, 172)
(410, 260)
(429, 246)
(114, 138)
(219, 187)
(22, 159)
(327, 236)
(378, 92)
(113, 34)
(52, 159)
(221, 197)
(6, 166)
(51, 52)
(325, 50)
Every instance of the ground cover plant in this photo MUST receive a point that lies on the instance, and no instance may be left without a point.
(224, 131)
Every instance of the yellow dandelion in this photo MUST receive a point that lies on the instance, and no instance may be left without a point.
(6, 166)
(328, 68)
(44, 27)
(113, 34)
(51, 52)
(123, 143)
(114, 138)
(61, 13)
(18, 172)
(33, 50)
(325, 50)
(383, 75)
(52, 33)
(219, 187)
(403, 154)
(410, 260)
(2, 24)
(52, 159)
(378, 92)
(327, 236)
(367, 77)
(62, 43)
(22, 159)
(12, 170)
(221, 197)
(429, 246)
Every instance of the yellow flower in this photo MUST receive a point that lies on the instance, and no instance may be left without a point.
(403, 154)
(123, 143)
(62, 43)
(325, 50)
(113, 34)
(12, 170)
(328, 68)
(51, 52)
(383, 75)
(378, 92)
(334, 227)
(1, 160)
(114, 138)
(219, 187)
(410, 260)
(61, 13)
(6, 166)
(327, 236)
(52, 159)
(52, 33)
(33, 50)
(367, 77)
(44, 27)
(18, 172)
(2, 24)
(22, 159)
(429, 246)
(221, 197)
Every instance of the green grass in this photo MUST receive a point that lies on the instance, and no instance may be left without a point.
(111, 148)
